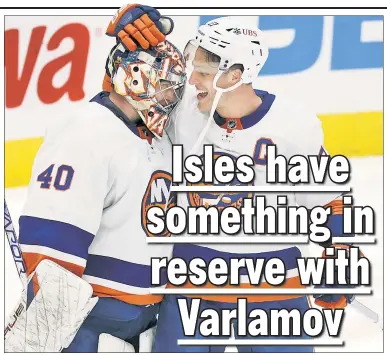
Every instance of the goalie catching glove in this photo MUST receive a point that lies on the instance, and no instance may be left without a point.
(55, 304)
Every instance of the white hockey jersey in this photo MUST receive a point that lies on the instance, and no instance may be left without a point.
(92, 182)
(294, 131)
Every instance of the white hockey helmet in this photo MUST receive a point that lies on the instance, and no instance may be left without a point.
(234, 43)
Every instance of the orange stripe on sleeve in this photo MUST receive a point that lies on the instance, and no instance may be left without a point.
(102, 291)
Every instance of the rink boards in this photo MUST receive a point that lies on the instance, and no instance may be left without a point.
(333, 64)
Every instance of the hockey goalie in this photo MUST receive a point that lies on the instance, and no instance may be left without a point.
(82, 228)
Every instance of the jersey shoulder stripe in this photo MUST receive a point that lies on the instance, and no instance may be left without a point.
(60, 236)
(123, 272)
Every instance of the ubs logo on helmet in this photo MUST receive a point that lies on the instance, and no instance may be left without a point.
(244, 31)
(220, 200)
(158, 193)
(248, 32)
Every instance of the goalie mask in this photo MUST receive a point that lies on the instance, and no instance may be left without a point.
(152, 81)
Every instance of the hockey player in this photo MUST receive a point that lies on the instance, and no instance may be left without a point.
(93, 179)
(237, 119)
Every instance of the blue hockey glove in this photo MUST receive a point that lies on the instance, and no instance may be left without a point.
(334, 301)
(136, 24)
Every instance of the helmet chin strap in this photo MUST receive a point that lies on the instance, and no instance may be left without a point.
(219, 92)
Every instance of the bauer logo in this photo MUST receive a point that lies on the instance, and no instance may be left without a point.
(15, 316)
(157, 194)
(219, 200)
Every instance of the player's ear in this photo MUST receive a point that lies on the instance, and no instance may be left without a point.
(236, 75)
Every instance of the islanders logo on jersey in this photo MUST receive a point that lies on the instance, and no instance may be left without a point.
(220, 200)
(158, 193)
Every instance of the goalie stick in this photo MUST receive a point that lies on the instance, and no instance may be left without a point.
(14, 246)
(20, 266)
(47, 272)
